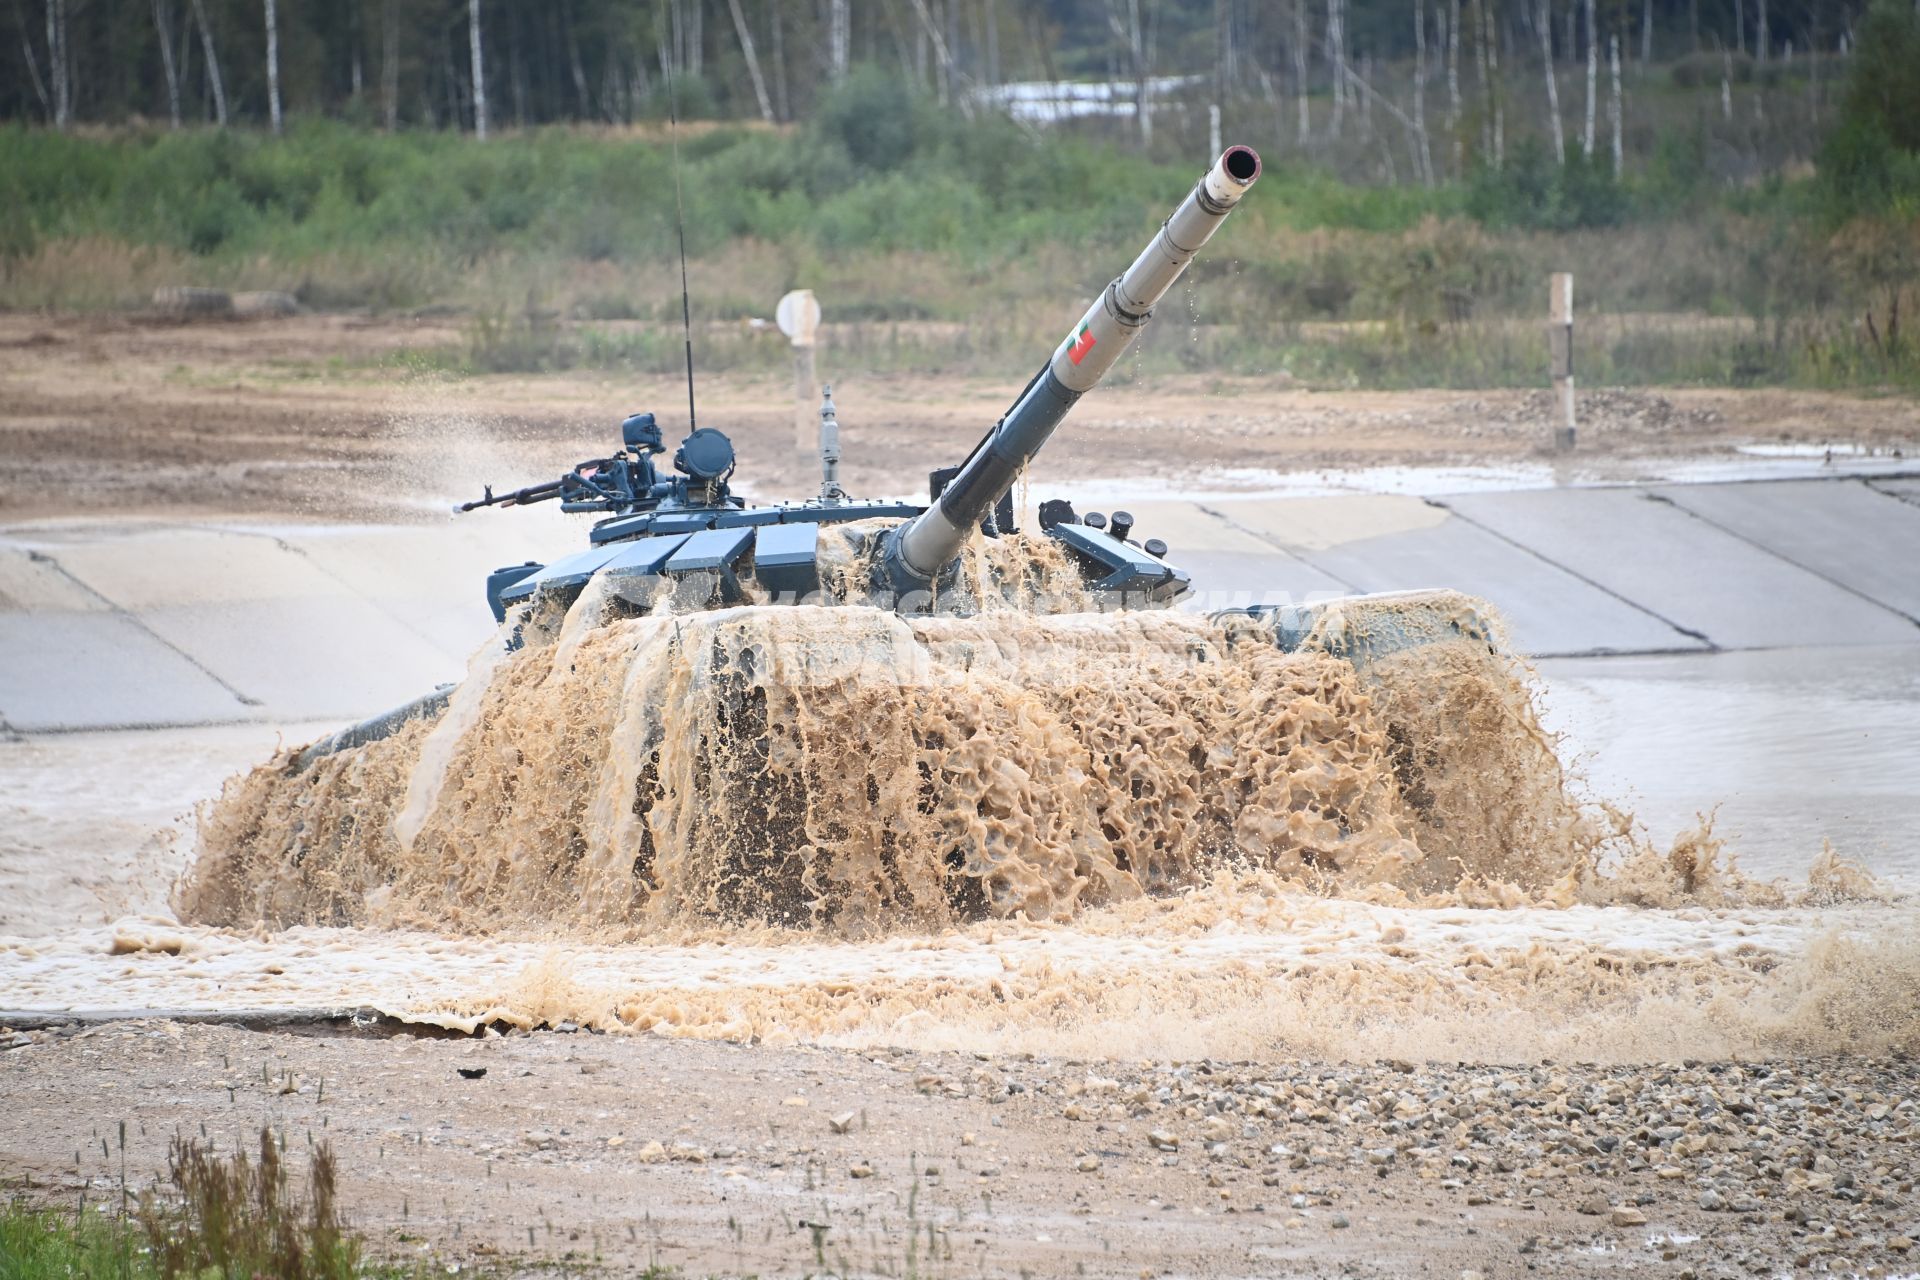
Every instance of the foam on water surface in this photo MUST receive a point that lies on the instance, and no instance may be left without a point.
(1242, 967)
(1123, 835)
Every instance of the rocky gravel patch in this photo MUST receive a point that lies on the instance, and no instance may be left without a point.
(560, 1148)
(1804, 1164)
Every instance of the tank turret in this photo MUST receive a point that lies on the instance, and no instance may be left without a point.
(687, 527)
(681, 534)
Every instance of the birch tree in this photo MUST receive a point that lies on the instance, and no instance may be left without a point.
(992, 17)
(839, 38)
(782, 104)
(1132, 37)
(33, 70)
(1553, 84)
(1614, 112)
(214, 82)
(273, 63)
(1337, 64)
(163, 25)
(479, 70)
(943, 51)
(390, 63)
(1420, 89)
(1477, 17)
(1453, 87)
(1498, 98)
(753, 62)
(1593, 80)
(59, 63)
(1300, 67)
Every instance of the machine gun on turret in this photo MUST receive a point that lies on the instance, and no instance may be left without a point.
(628, 481)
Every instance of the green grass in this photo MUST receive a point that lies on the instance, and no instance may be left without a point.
(234, 1217)
(942, 245)
(45, 1244)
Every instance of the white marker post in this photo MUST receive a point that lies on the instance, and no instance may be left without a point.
(1560, 342)
(798, 316)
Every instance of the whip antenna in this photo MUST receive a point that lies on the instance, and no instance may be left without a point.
(680, 229)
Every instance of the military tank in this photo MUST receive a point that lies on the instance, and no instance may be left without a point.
(678, 537)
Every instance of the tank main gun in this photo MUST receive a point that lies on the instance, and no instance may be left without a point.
(920, 550)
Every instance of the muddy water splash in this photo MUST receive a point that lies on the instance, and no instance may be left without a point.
(858, 771)
(1120, 835)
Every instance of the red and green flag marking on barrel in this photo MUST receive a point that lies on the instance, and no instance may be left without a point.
(1082, 343)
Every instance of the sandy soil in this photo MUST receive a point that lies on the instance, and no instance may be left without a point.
(317, 416)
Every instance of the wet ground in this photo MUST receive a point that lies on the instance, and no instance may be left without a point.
(572, 1153)
(1785, 747)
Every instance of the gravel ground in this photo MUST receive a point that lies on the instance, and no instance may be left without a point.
(588, 1152)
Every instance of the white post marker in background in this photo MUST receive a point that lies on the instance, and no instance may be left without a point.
(1560, 343)
(798, 316)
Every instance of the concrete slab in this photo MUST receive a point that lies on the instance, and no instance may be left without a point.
(33, 584)
(432, 579)
(1311, 524)
(1789, 748)
(1185, 527)
(264, 619)
(1696, 576)
(96, 670)
(1905, 489)
(1384, 542)
(313, 658)
(1237, 579)
(1840, 529)
(1232, 566)
(1548, 610)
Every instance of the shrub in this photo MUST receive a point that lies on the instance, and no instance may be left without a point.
(1871, 159)
(874, 118)
(1534, 191)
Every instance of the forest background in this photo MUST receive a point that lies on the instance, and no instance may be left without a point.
(1734, 183)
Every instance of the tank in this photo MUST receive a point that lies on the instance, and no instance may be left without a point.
(677, 537)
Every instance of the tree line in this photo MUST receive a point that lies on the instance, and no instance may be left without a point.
(479, 65)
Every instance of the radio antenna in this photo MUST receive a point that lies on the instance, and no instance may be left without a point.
(680, 229)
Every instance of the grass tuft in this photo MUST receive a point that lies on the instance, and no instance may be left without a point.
(238, 1217)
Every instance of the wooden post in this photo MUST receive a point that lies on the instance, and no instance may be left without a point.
(806, 404)
(1560, 343)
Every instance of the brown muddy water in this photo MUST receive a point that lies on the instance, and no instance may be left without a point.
(1787, 748)
(1131, 835)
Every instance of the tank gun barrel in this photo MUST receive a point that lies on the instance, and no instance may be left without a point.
(924, 547)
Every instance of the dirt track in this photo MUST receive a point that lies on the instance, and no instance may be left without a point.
(572, 1150)
(318, 417)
